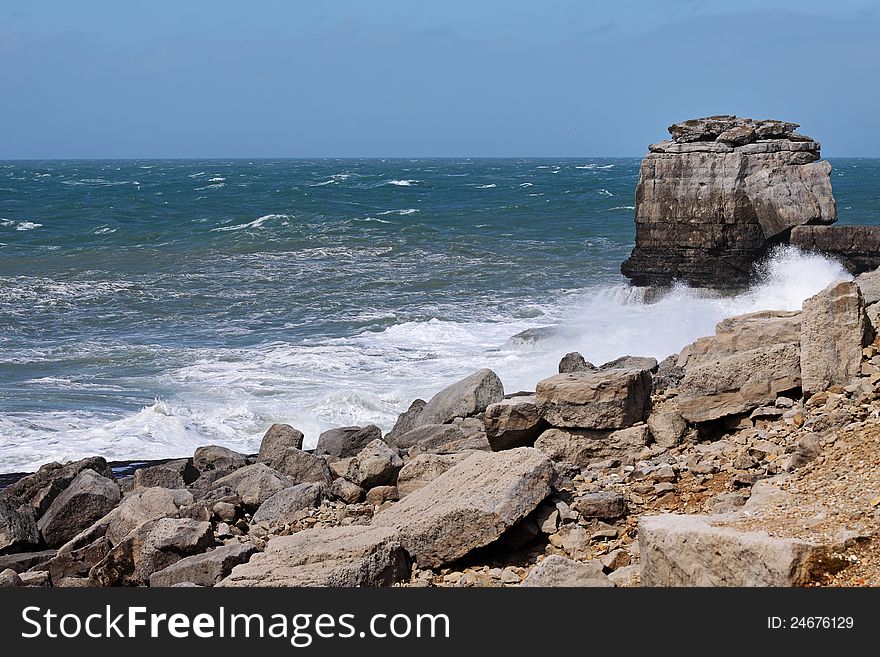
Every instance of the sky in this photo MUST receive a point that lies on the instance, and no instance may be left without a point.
(426, 78)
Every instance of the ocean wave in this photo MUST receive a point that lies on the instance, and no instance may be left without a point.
(197, 175)
(594, 166)
(104, 230)
(335, 179)
(403, 213)
(217, 179)
(20, 225)
(401, 183)
(605, 192)
(623, 207)
(211, 186)
(527, 184)
(489, 186)
(256, 223)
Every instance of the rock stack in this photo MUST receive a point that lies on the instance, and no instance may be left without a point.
(715, 198)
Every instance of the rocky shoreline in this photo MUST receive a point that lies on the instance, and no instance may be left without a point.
(750, 458)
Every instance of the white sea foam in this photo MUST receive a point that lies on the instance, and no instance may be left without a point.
(403, 213)
(605, 192)
(230, 396)
(401, 183)
(489, 186)
(27, 225)
(622, 207)
(211, 186)
(104, 230)
(527, 184)
(256, 223)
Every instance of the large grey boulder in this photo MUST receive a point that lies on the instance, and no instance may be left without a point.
(678, 550)
(276, 440)
(255, 484)
(425, 468)
(18, 528)
(215, 458)
(574, 362)
(464, 398)
(377, 464)
(88, 498)
(40, 489)
(302, 467)
(610, 399)
(470, 505)
(150, 548)
(667, 427)
(557, 571)
(751, 360)
(173, 474)
(346, 441)
(140, 507)
(204, 569)
(584, 446)
(337, 556)
(288, 501)
(428, 437)
(9, 578)
(406, 420)
(833, 331)
(513, 422)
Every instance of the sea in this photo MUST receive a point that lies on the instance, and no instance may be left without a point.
(150, 307)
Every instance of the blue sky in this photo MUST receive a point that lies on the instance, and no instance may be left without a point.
(385, 78)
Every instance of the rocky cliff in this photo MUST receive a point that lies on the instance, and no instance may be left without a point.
(711, 201)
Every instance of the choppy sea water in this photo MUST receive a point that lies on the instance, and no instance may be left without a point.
(149, 307)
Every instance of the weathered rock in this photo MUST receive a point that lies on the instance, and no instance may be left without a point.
(610, 399)
(707, 211)
(406, 420)
(574, 362)
(276, 440)
(173, 474)
(668, 375)
(88, 498)
(10, 578)
(856, 247)
(288, 501)
(513, 422)
(18, 529)
(23, 561)
(584, 446)
(428, 437)
(424, 468)
(303, 467)
(214, 457)
(78, 562)
(556, 570)
(607, 505)
(204, 569)
(348, 492)
(749, 362)
(377, 464)
(667, 427)
(346, 441)
(140, 507)
(464, 398)
(869, 284)
(692, 551)
(153, 546)
(631, 363)
(833, 331)
(338, 556)
(256, 483)
(381, 494)
(40, 489)
(470, 505)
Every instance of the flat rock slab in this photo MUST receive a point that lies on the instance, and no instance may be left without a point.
(679, 550)
(557, 571)
(204, 569)
(337, 556)
(470, 505)
(609, 399)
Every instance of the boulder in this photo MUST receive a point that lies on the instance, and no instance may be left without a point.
(140, 507)
(40, 489)
(424, 468)
(377, 464)
(346, 441)
(406, 420)
(343, 489)
(513, 422)
(470, 505)
(833, 331)
(302, 467)
(215, 458)
(256, 483)
(857, 248)
(667, 427)
(204, 569)
(23, 561)
(557, 570)
(88, 498)
(610, 399)
(750, 361)
(276, 440)
(712, 202)
(584, 446)
(18, 528)
(574, 362)
(173, 474)
(287, 501)
(607, 505)
(428, 437)
(151, 547)
(631, 363)
(381, 494)
(464, 398)
(338, 556)
(9, 578)
(678, 550)
(869, 284)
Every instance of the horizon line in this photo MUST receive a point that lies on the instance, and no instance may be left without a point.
(363, 157)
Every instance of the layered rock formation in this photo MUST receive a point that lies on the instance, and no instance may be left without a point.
(856, 247)
(713, 200)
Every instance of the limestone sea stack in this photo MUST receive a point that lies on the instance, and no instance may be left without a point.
(715, 198)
